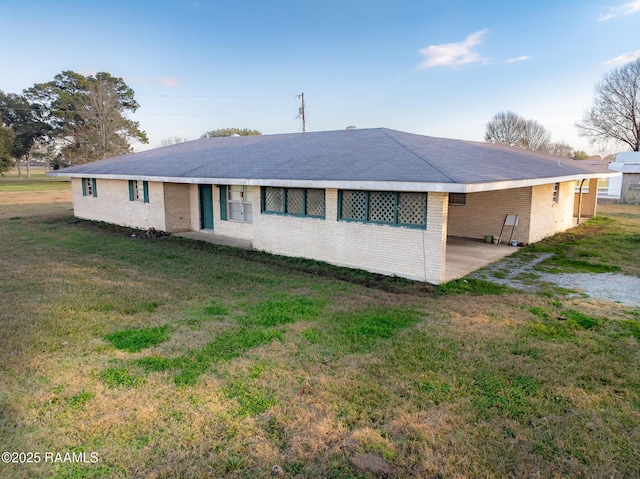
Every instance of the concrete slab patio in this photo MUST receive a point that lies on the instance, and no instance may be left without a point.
(466, 255)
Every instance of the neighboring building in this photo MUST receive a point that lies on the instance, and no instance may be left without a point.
(630, 188)
(375, 199)
(620, 163)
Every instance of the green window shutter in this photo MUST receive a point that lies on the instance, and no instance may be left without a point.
(84, 186)
(145, 187)
(223, 202)
(93, 184)
(132, 194)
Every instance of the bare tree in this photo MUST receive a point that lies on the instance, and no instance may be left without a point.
(504, 128)
(508, 128)
(615, 113)
(174, 140)
(559, 149)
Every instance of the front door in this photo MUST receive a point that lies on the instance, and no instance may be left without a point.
(206, 207)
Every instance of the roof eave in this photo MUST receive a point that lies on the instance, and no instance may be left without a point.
(354, 184)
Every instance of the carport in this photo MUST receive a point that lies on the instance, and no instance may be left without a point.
(465, 255)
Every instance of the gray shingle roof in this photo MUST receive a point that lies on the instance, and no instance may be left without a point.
(364, 156)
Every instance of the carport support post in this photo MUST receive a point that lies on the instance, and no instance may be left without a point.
(435, 237)
(580, 200)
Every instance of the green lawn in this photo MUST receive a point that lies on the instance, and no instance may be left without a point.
(38, 175)
(171, 358)
(34, 185)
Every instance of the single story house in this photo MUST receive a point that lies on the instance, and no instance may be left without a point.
(376, 199)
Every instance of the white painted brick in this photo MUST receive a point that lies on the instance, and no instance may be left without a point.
(407, 252)
(112, 204)
(547, 217)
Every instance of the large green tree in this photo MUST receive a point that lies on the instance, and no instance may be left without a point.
(26, 120)
(88, 115)
(6, 143)
(230, 132)
(615, 113)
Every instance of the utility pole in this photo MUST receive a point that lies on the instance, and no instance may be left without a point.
(301, 114)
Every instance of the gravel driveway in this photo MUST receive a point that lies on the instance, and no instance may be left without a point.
(519, 273)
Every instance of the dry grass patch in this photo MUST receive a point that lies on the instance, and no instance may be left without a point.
(41, 197)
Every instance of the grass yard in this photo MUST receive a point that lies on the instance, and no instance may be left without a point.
(38, 196)
(169, 358)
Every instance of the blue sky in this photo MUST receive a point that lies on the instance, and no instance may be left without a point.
(433, 68)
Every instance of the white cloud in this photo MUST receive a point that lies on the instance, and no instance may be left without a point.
(521, 58)
(453, 54)
(624, 58)
(624, 9)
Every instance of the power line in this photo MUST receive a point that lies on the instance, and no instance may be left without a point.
(209, 114)
(37, 108)
(213, 96)
(188, 96)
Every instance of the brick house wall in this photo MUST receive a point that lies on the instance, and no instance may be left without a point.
(112, 204)
(177, 207)
(408, 252)
(547, 217)
(484, 214)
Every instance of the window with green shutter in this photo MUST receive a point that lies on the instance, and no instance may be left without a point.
(89, 187)
(223, 201)
(139, 191)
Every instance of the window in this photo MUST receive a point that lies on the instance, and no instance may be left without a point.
(293, 201)
(556, 188)
(239, 204)
(457, 199)
(89, 187)
(383, 207)
(139, 191)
